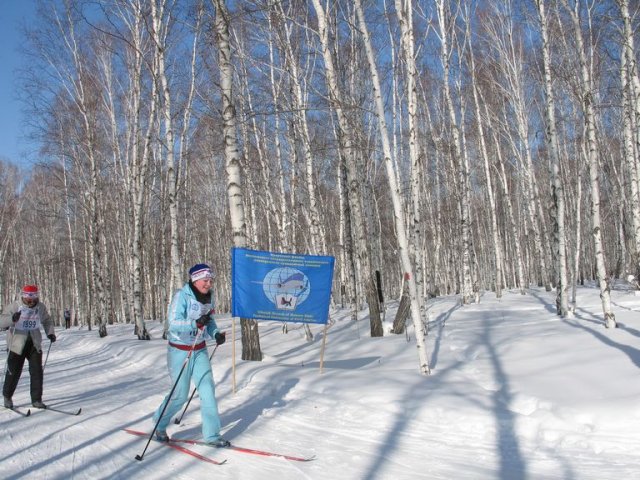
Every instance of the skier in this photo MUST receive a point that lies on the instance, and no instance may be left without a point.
(190, 324)
(24, 341)
(67, 318)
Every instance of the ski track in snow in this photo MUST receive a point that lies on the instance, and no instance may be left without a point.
(505, 400)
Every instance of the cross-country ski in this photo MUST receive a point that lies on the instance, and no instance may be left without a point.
(232, 447)
(65, 412)
(19, 411)
(176, 447)
(253, 451)
(49, 408)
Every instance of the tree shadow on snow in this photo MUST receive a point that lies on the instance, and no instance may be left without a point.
(630, 330)
(632, 353)
(243, 416)
(440, 321)
(349, 364)
(512, 463)
(549, 305)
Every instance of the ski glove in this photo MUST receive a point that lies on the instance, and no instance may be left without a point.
(52, 337)
(15, 317)
(221, 338)
(203, 321)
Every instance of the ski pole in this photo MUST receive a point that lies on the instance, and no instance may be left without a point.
(166, 404)
(178, 420)
(47, 357)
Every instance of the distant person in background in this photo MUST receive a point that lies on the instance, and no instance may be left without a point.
(67, 318)
(24, 318)
(191, 323)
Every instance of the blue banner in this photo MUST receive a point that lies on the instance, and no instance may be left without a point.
(282, 287)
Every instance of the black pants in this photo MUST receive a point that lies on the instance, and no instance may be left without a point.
(15, 362)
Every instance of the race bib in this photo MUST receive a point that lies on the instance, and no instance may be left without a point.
(29, 319)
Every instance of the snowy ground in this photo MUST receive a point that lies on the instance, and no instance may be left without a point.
(515, 393)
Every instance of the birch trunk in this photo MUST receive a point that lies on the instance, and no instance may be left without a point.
(587, 100)
(497, 247)
(76, 309)
(396, 198)
(355, 202)
(263, 182)
(445, 26)
(511, 221)
(282, 218)
(160, 29)
(77, 91)
(578, 240)
(631, 108)
(404, 11)
(362, 217)
(249, 328)
(435, 209)
(140, 178)
(179, 173)
(88, 272)
(511, 81)
(318, 245)
(250, 199)
(557, 188)
(634, 106)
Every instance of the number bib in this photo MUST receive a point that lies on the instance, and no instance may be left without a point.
(29, 319)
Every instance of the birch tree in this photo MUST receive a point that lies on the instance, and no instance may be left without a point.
(77, 82)
(446, 25)
(404, 11)
(395, 195)
(557, 190)
(174, 159)
(140, 161)
(250, 335)
(497, 247)
(631, 116)
(510, 80)
(10, 206)
(283, 222)
(301, 125)
(159, 35)
(353, 188)
(587, 98)
(76, 305)
(511, 228)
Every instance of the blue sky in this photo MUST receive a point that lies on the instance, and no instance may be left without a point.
(13, 13)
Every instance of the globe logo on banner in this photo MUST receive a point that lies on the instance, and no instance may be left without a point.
(286, 287)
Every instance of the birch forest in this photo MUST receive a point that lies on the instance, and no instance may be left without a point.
(433, 147)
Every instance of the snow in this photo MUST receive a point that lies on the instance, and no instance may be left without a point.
(515, 392)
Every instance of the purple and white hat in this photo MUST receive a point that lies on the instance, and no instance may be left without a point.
(200, 271)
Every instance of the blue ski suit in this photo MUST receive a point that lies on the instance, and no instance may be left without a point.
(185, 309)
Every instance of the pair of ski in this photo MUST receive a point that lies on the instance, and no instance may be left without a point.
(175, 443)
(19, 411)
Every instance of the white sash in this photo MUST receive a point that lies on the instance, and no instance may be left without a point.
(195, 310)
